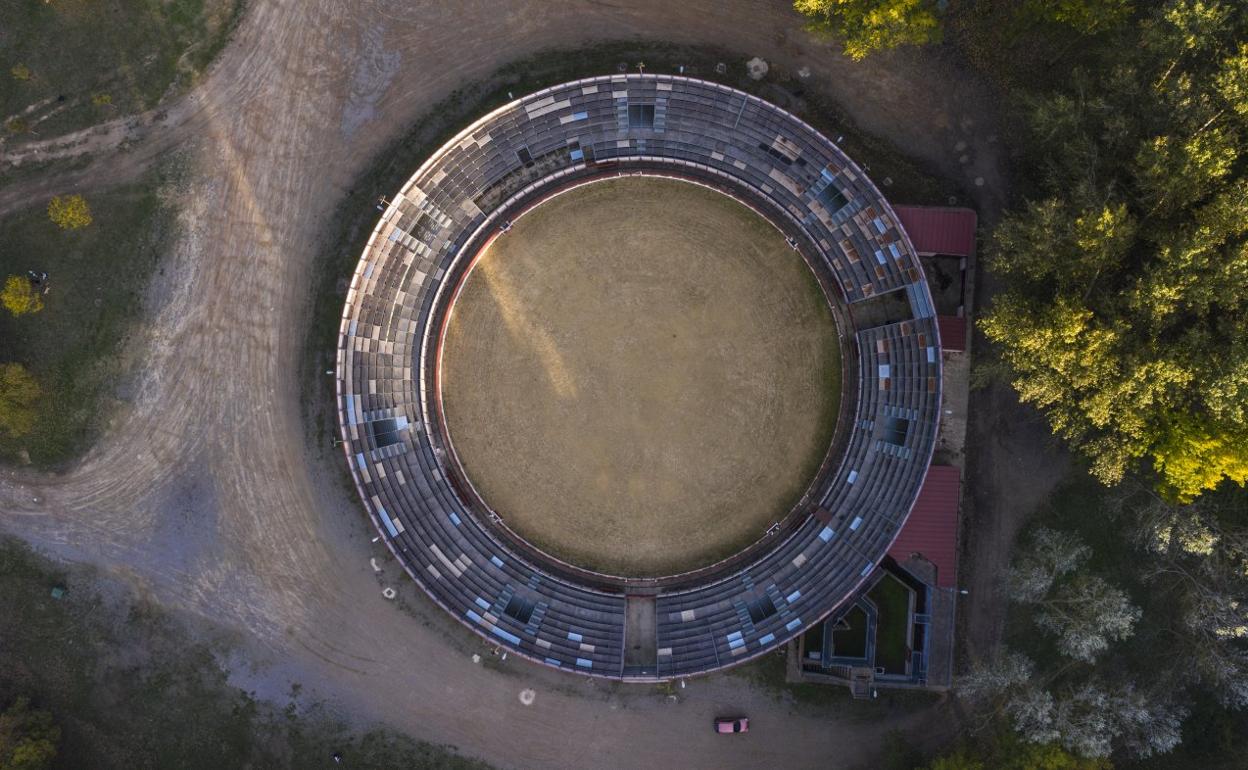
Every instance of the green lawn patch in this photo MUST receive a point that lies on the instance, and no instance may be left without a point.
(97, 276)
(130, 688)
(105, 57)
(851, 642)
(892, 601)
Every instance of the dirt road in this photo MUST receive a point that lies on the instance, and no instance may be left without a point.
(206, 492)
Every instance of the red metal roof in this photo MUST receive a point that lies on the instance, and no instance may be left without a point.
(952, 332)
(932, 529)
(938, 230)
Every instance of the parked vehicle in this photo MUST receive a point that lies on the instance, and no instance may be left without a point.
(732, 725)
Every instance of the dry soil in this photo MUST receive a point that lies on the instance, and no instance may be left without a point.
(641, 376)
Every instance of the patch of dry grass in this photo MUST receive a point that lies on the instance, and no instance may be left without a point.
(641, 376)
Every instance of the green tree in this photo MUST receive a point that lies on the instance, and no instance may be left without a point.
(18, 393)
(1087, 614)
(867, 26)
(961, 759)
(1049, 556)
(1083, 611)
(1073, 724)
(1085, 16)
(1197, 556)
(1124, 316)
(19, 296)
(28, 737)
(69, 212)
(1004, 750)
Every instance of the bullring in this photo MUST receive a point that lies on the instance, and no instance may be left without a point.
(466, 195)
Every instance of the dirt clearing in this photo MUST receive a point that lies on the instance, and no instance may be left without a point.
(641, 376)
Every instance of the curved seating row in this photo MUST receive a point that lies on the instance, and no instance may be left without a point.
(460, 198)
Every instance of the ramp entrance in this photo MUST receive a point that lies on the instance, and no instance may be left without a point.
(641, 654)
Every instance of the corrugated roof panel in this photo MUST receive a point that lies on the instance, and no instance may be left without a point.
(932, 528)
(952, 332)
(938, 230)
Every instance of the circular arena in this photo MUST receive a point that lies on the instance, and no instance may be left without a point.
(640, 376)
(473, 192)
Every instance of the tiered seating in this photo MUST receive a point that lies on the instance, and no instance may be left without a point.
(869, 498)
(462, 197)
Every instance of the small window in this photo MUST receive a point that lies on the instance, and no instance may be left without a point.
(832, 199)
(761, 609)
(385, 432)
(520, 608)
(896, 429)
(641, 116)
(775, 153)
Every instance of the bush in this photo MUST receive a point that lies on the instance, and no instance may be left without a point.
(27, 738)
(70, 212)
(19, 296)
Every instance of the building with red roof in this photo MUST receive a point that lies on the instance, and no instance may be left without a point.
(931, 532)
(939, 230)
(952, 333)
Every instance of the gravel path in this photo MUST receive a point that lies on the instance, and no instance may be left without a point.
(205, 491)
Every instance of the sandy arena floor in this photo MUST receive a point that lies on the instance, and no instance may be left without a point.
(641, 376)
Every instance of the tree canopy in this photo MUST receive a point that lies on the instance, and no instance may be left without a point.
(1125, 312)
(1088, 718)
(19, 296)
(1077, 644)
(867, 26)
(1197, 556)
(1004, 750)
(28, 737)
(1082, 611)
(1084, 16)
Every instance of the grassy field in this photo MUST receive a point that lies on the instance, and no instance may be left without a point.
(892, 599)
(97, 276)
(130, 689)
(851, 642)
(106, 58)
(641, 376)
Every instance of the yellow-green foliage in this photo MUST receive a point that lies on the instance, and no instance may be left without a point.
(1196, 456)
(1124, 313)
(1085, 16)
(867, 26)
(28, 737)
(20, 72)
(102, 100)
(69, 212)
(18, 393)
(1008, 751)
(19, 296)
